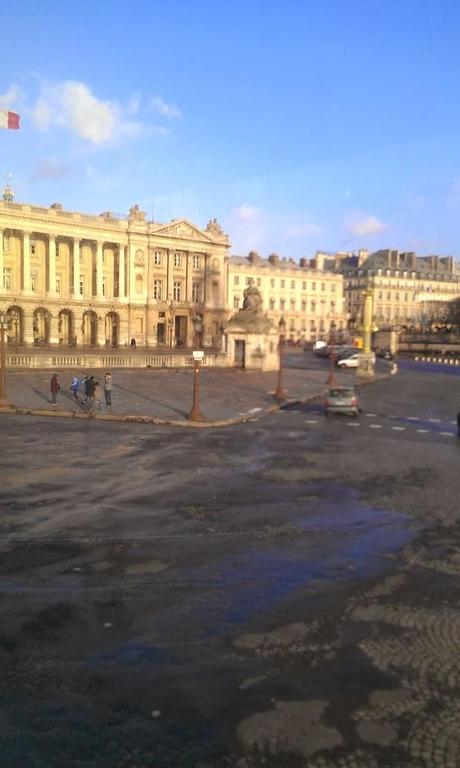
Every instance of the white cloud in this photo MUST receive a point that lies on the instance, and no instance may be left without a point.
(363, 224)
(158, 104)
(246, 212)
(11, 97)
(72, 105)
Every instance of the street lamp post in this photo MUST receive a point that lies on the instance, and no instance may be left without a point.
(331, 376)
(4, 325)
(280, 393)
(195, 414)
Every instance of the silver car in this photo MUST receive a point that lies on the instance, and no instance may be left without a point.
(341, 400)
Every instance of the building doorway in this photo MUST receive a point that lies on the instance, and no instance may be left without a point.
(41, 326)
(16, 327)
(112, 332)
(180, 330)
(161, 333)
(65, 327)
(240, 353)
(89, 329)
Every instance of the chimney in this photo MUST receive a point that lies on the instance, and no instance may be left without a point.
(274, 259)
(434, 263)
(394, 256)
(319, 260)
(56, 206)
(253, 257)
(363, 253)
(303, 263)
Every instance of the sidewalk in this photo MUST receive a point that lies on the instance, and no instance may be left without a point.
(165, 396)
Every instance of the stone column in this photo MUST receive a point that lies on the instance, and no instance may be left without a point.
(170, 275)
(76, 268)
(1, 259)
(26, 284)
(121, 272)
(52, 265)
(54, 328)
(99, 270)
(189, 279)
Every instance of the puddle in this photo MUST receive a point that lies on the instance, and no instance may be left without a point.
(349, 540)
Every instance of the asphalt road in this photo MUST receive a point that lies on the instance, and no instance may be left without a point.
(282, 593)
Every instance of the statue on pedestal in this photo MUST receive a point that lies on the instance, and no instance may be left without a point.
(251, 317)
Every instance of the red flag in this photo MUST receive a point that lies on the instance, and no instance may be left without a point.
(9, 119)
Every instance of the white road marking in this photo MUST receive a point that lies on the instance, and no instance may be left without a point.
(413, 418)
(352, 424)
(435, 420)
(375, 426)
(453, 422)
(423, 430)
(372, 415)
(447, 434)
(399, 429)
(311, 421)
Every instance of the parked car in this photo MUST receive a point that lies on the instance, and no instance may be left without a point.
(348, 362)
(341, 400)
(345, 352)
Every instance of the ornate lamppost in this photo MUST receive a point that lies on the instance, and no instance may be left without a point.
(170, 323)
(197, 329)
(280, 393)
(331, 376)
(4, 325)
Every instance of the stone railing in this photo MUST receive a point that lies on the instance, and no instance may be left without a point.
(59, 360)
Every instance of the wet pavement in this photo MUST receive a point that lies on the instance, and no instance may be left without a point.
(281, 593)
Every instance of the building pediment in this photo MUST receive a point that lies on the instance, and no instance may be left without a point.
(183, 229)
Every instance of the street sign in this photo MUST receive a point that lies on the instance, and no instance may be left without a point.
(198, 354)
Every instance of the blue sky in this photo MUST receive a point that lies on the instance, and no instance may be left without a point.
(300, 125)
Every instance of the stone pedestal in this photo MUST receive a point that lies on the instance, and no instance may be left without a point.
(251, 351)
(365, 369)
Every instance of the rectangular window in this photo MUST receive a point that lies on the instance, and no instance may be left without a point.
(292, 305)
(304, 306)
(236, 302)
(196, 261)
(272, 304)
(177, 290)
(304, 285)
(259, 281)
(323, 286)
(333, 287)
(81, 287)
(177, 259)
(34, 281)
(196, 292)
(282, 283)
(313, 286)
(272, 283)
(7, 278)
(157, 258)
(248, 280)
(32, 246)
(292, 283)
(158, 289)
(282, 304)
(236, 280)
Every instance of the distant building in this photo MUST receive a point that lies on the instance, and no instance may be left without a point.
(406, 288)
(309, 299)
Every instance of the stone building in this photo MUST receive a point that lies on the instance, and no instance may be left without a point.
(72, 279)
(310, 300)
(405, 288)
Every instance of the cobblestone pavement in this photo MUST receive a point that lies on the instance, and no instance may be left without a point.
(168, 393)
(283, 593)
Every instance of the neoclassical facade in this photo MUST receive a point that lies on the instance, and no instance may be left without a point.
(68, 278)
(310, 300)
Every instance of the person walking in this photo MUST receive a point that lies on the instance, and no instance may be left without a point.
(97, 395)
(108, 389)
(91, 385)
(54, 388)
(75, 386)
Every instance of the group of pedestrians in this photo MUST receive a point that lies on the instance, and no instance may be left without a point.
(92, 390)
